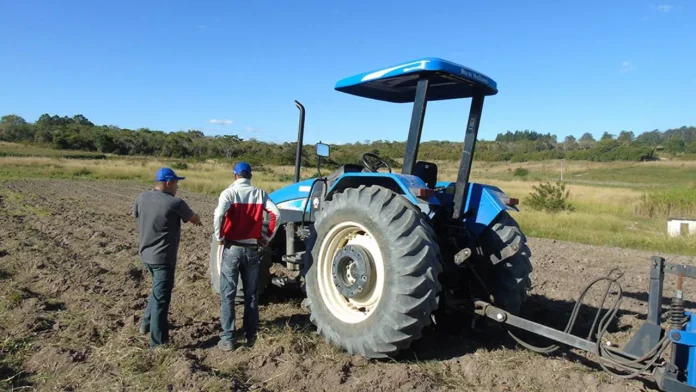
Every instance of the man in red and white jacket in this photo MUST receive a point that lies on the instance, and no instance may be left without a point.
(239, 226)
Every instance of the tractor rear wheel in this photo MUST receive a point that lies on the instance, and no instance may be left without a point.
(506, 247)
(372, 274)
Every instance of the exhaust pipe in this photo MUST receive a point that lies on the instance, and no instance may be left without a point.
(300, 138)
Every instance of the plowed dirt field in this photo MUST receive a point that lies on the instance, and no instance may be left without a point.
(72, 291)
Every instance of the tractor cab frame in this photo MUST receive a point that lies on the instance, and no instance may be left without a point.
(419, 81)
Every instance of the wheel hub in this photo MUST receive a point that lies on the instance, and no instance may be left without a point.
(351, 271)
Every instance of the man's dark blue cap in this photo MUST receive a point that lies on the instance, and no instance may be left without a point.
(166, 174)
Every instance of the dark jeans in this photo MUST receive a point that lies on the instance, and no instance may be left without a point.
(156, 317)
(236, 259)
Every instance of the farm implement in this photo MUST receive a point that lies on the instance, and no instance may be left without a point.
(381, 255)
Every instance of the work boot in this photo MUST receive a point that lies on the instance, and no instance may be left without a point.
(225, 345)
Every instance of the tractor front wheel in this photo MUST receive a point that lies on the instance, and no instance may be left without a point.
(372, 274)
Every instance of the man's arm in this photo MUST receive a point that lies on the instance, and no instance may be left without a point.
(273, 218)
(224, 203)
(187, 214)
(134, 212)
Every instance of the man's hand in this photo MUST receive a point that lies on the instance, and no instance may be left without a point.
(196, 220)
(263, 242)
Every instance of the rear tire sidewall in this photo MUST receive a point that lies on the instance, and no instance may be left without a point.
(411, 285)
(319, 308)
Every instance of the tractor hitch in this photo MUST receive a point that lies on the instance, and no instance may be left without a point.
(644, 355)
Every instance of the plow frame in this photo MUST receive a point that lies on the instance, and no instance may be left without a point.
(675, 374)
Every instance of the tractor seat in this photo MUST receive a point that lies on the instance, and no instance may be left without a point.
(426, 171)
(347, 168)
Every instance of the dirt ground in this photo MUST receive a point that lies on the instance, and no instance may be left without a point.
(72, 291)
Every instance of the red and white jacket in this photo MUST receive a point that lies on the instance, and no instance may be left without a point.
(239, 215)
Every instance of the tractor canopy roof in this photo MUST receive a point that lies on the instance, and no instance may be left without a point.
(398, 83)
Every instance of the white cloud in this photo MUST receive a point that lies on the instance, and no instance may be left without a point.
(626, 66)
(220, 122)
(664, 8)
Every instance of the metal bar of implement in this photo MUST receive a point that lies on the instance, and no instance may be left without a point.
(675, 269)
(416, 127)
(657, 278)
(650, 332)
(300, 139)
(460, 193)
(504, 317)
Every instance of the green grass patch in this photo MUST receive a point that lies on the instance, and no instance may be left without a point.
(668, 203)
(15, 205)
(638, 174)
(13, 352)
(616, 230)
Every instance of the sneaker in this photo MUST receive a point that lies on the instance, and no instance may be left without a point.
(250, 341)
(225, 345)
(143, 329)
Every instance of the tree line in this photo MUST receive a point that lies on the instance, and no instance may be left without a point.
(79, 133)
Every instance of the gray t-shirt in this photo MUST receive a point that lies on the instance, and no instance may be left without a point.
(159, 217)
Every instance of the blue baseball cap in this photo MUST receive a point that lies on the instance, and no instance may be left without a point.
(242, 166)
(166, 174)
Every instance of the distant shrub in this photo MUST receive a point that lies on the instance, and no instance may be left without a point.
(82, 172)
(179, 166)
(86, 156)
(550, 198)
(520, 172)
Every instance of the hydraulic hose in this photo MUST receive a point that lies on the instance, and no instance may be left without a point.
(607, 355)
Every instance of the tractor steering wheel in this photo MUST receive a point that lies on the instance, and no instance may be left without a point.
(380, 162)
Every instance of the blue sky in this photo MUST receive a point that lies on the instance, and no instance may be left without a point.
(561, 67)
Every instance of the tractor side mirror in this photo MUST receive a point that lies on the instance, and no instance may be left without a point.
(322, 150)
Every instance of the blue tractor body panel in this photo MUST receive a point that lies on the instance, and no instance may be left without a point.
(448, 80)
(292, 198)
(486, 201)
(405, 183)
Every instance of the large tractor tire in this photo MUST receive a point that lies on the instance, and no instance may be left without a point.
(506, 247)
(372, 274)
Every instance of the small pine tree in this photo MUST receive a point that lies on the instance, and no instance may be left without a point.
(550, 198)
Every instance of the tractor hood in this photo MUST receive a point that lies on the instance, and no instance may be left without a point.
(293, 196)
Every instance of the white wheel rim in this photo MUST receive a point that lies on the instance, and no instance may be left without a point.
(350, 310)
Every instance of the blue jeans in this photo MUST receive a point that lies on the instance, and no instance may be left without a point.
(156, 317)
(236, 260)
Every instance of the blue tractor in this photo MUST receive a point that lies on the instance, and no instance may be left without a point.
(382, 255)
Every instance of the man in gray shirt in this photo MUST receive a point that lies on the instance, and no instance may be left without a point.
(160, 213)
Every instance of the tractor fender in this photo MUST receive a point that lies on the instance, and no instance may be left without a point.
(401, 184)
(486, 202)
